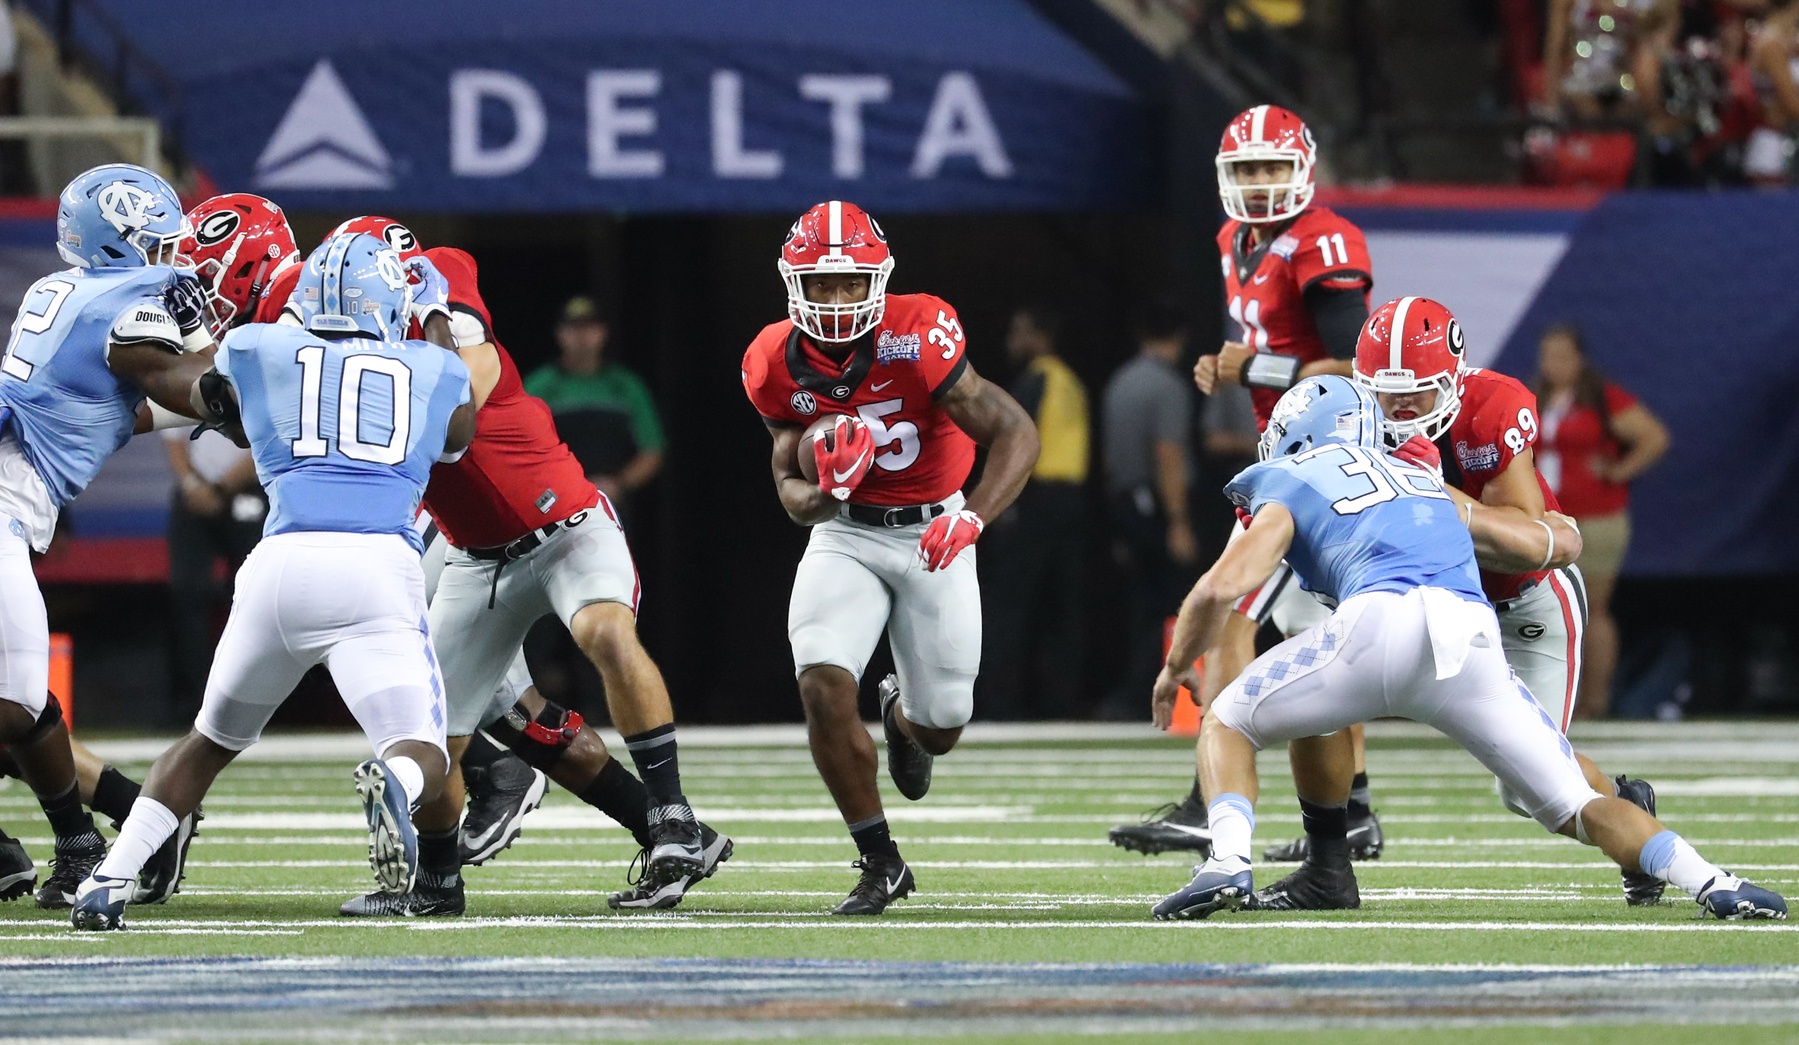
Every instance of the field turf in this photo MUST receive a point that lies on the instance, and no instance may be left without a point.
(1028, 925)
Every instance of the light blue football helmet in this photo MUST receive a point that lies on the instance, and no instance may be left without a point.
(1318, 411)
(119, 216)
(354, 283)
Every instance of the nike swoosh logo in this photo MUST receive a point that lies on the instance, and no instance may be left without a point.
(884, 384)
(838, 477)
(1261, 279)
(484, 837)
(658, 765)
(892, 884)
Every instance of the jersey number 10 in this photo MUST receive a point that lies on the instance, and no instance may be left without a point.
(349, 407)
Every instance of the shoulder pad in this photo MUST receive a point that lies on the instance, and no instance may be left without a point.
(146, 322)
(467, 329)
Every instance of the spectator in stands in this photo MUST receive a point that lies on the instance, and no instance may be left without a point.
(1033, 557)
(1147, 426)
(1595, 439)
(1773, 56)
(1597, 54)
(603, 410)
(216, 514)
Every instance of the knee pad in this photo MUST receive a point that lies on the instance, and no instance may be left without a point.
(1511, 799)
(49, 720)
(540, 741)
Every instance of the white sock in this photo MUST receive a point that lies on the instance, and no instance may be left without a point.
(1233, 820)
(146, 829)
(410, 776)
(1670, 858)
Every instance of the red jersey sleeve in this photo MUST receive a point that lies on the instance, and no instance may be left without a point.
(458, 268)
(762, 379)
(1332, 251)
(944, 355)
(1509, 421)
(1617, 400)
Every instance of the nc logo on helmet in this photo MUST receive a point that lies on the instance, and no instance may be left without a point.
(387, 266)
(125, 207)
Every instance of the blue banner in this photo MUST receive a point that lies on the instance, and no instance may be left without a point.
(758, 105)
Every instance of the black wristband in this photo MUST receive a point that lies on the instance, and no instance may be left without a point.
(1268, 370)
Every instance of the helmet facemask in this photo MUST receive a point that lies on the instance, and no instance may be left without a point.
(1431, 424)
(1285, 199)
(836, 323)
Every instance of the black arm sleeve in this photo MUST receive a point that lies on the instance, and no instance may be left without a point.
(1339, 315)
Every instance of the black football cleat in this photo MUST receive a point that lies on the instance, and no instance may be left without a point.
(677, 845)
(1640, 890)
(426, 899)
(75, 859)
(1176, 826)
(649, 892)
(908, 764)
(500, 796)
(161, 877)
(18, 873)
(1310, 887)
(1365, 843)
(884, 880)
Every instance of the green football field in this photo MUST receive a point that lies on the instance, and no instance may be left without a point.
(1027, 926)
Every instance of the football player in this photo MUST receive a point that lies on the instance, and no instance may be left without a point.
(345, 420)
(243, 250)
(892, 542)
(89, 344)
(526, 534)
(1412, 636)
(1296, 280)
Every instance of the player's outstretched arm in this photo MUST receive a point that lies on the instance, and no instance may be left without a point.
(1508, 541)
(806, 504)
(1241, 568)
(462, 428)
(992, 418)
(162, 374)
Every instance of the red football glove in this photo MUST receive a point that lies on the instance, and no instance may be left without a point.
(1243, 517)
(842, 467)
(947, 535)
(1421, 452)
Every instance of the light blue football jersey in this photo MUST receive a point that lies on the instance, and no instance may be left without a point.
(69, 411)
(1363, 522)
(344, 429)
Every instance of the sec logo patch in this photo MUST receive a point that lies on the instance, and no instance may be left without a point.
(803, 403)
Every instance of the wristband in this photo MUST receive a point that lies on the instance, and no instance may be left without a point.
(1471, 514)
(162, 417)
(1268, 370)
(1550, 554)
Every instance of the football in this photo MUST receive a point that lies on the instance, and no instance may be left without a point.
(824, 428)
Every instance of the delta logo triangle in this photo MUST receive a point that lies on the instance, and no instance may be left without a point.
(324, 141)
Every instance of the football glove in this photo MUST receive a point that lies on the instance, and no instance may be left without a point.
(947, 535)
(185, 298)
(430, 290)
(221, 403)
(842, 467)
(1421, 452)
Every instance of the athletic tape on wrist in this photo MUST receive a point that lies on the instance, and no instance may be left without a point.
(1267, 370)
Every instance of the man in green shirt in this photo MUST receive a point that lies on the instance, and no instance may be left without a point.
(603, 410)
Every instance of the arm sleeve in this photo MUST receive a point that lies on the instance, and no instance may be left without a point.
(1339, 314)
(646, 424)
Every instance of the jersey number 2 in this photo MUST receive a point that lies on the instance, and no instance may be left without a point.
(37, 322)
(349, 407)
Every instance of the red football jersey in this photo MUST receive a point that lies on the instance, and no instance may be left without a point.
(1264, 286)
(517, 475)
(1497, 422)
(274, 300)
(892, 380)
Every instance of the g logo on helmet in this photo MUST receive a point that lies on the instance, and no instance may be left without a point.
(125, 206)
(400, 238)
(1455, 337)
(803, 403)
(217, 228)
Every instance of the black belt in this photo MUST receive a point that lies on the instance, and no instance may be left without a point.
(906, 515)
(522, 547)
(1505, 605)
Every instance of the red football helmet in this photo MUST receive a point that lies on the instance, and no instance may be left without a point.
(238, 246)
(1414, 345)
(836, 237)
(396, 235)
(1263, 134)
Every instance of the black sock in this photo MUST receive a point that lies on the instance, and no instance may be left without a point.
(114, 793)
(481, 752)
(9, 766)
(1196, 797)
(66, 815)
(622, 797)
(872, 837)
(1327, 828)
(1360, 800)
(439, 863)
(654, 752)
